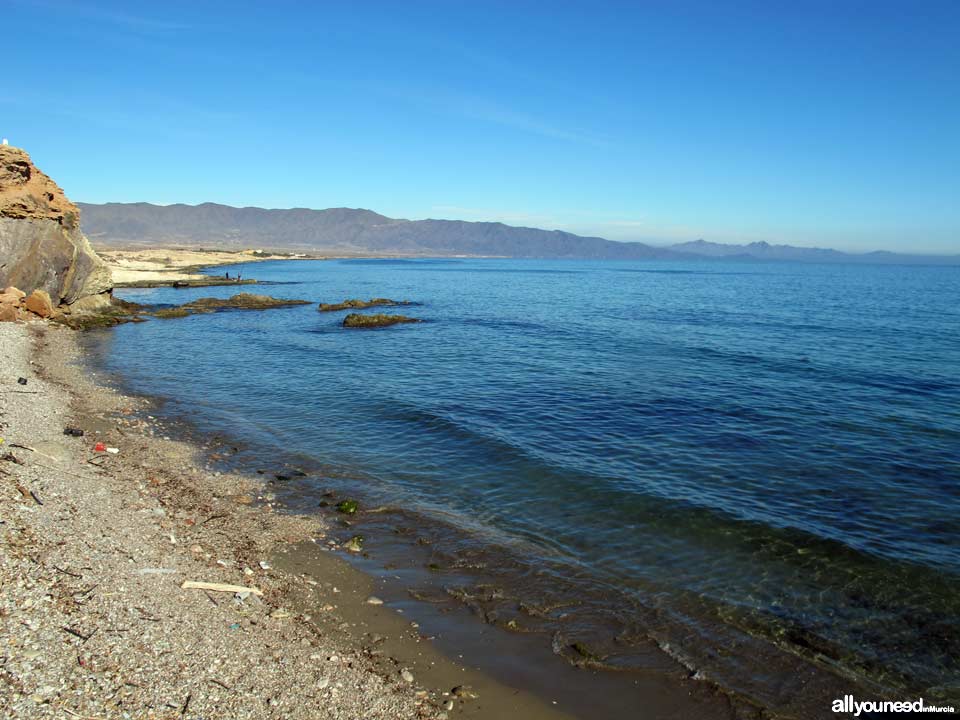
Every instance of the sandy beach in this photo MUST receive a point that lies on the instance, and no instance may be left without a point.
(99, 550)
(162, 266)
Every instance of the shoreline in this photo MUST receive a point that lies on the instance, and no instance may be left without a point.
(176, 266)
(182, 267)
(503, 660)
(96, 620)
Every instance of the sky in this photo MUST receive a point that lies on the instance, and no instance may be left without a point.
(832, 124)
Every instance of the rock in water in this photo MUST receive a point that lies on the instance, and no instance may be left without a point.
(356, 320)
(360, 304)
(41, 244)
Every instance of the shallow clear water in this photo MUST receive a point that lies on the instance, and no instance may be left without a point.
(689, 452)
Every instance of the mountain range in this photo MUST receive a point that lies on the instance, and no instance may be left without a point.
(347, 231)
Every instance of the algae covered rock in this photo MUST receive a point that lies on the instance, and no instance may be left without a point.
(348, 507)
(361, 304)
(356, 320)
(354, 544)
(241, 301)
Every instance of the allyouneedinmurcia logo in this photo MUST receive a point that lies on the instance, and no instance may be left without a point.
(856, 707)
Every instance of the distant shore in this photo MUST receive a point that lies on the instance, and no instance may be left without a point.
(166, 267)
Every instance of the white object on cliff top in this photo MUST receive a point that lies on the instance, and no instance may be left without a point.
(5, 142)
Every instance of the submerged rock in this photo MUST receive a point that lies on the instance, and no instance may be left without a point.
(361, 304)
(354, 544)
(356, 320)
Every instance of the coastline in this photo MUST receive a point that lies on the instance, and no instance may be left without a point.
(97, 547)
(181, 267)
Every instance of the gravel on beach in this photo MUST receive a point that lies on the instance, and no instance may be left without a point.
(95, 548)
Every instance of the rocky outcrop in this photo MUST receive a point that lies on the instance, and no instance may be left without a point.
(241, 301)
(361, 304)
(41, 245)
(356, 320)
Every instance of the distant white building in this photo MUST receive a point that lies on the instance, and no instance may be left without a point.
(5, 142)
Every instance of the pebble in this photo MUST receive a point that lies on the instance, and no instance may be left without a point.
(323, 683)
(374, 600)
(406, 675)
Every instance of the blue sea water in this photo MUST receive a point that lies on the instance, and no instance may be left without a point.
(709, 457)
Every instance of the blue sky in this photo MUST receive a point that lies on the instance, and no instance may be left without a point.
(813, 123)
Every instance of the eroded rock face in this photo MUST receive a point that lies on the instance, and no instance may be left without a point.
(41, 246)
(38, 302)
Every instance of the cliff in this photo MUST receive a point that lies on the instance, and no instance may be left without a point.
(41, 245)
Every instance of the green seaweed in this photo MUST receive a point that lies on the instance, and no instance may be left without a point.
(348, 507)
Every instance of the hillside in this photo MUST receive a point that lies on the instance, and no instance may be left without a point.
(763, 251)
(338, 230)
(351, 231)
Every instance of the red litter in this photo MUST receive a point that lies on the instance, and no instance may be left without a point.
(99, 447)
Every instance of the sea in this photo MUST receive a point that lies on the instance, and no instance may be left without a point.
(745, 472)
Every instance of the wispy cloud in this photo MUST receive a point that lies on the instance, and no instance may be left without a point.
(486, 110)
(130, 21)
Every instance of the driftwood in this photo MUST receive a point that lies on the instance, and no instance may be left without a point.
(219, 587)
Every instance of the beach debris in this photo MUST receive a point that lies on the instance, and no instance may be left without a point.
(155, 571)
(348, 507)
(113, 450)
(29, 494)
(323, 683)
(583, 651)
(218, 587)
(406, 675)
(374, 600)
(354, 544)
(264, 565)
(464, 692)
(99, 447)
(280, 614)
(72, 431)
(21, 381)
